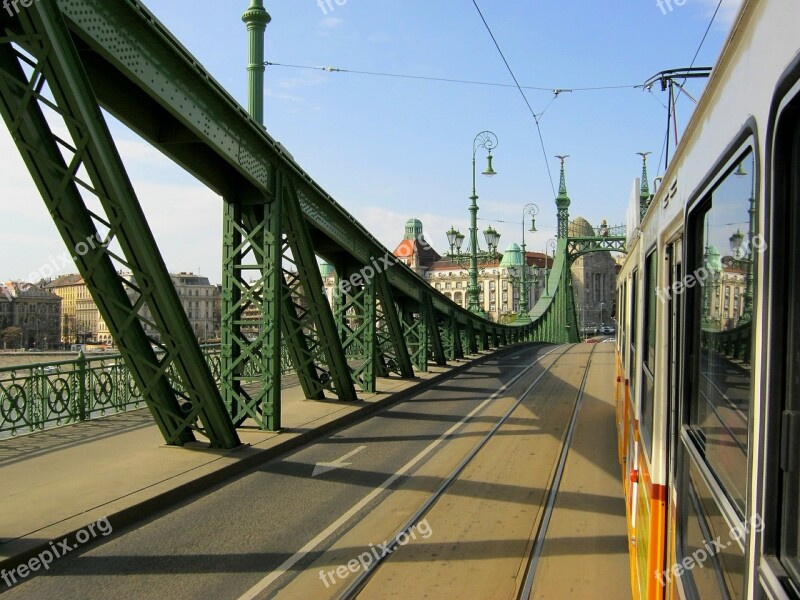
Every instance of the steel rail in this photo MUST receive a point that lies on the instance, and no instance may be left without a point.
(552, 492)
(361, 581)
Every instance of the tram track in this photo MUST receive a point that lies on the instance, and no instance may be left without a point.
(276, 580)
(543, 525)
(359, 584)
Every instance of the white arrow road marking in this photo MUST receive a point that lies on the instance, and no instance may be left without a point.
(324, 467)
(281, 570)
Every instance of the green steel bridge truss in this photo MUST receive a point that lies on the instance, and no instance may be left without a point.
(61, 61)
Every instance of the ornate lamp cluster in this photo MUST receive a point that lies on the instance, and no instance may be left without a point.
(488, 141)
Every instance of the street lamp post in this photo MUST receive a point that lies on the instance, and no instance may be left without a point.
(488, 141)
(550, 242)
(740, 254)
(532, 210)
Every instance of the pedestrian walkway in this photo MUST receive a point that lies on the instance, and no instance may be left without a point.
(56, 482)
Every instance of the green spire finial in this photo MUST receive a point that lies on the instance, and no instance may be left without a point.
(562, 201)
(644, 193)
(562, 186)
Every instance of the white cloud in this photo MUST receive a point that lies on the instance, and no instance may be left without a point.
(185, 217)
(307, 80)
(330, 23)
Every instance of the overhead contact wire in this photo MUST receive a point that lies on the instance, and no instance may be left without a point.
(524, 97)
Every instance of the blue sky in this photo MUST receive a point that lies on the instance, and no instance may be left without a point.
(389, 149)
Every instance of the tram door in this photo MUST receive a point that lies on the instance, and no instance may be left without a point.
(674, 314)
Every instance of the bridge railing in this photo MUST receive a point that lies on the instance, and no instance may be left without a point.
(34, 397)
(733, 343)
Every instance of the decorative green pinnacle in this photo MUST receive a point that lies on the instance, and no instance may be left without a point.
(644, 193)
(563, 197)
(563, 201)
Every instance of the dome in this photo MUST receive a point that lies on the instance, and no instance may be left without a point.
(580, 227)
(512, 257)
(325, 269)
(413, 229)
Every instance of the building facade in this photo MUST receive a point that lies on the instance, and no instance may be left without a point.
(499, 282)
(198, 298)
(594, 282)
(31, 312)
(80, 319)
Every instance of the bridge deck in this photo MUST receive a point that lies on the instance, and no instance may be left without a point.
(480, 530)
(56, 482)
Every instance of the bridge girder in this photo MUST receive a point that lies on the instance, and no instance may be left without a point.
(276, 220)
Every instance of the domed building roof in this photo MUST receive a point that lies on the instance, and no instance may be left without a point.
(580, 227)
(414, 250)
(413, 229)
(325, 269)
(512, 257)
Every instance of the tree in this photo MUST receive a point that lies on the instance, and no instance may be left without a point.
(11, 336)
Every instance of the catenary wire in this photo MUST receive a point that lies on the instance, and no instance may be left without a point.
(555, 90)
(522, 92)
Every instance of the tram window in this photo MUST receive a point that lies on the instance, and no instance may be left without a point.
(721, 574)
(719, 410)
(649, 348)
(789, 529)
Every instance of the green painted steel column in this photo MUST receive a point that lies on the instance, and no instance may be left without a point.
(256, 19)
(437, 348)
(250, 361)
(419, 331)
(391, 328)
(472, 341)
(177, 385)
(312, 315)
